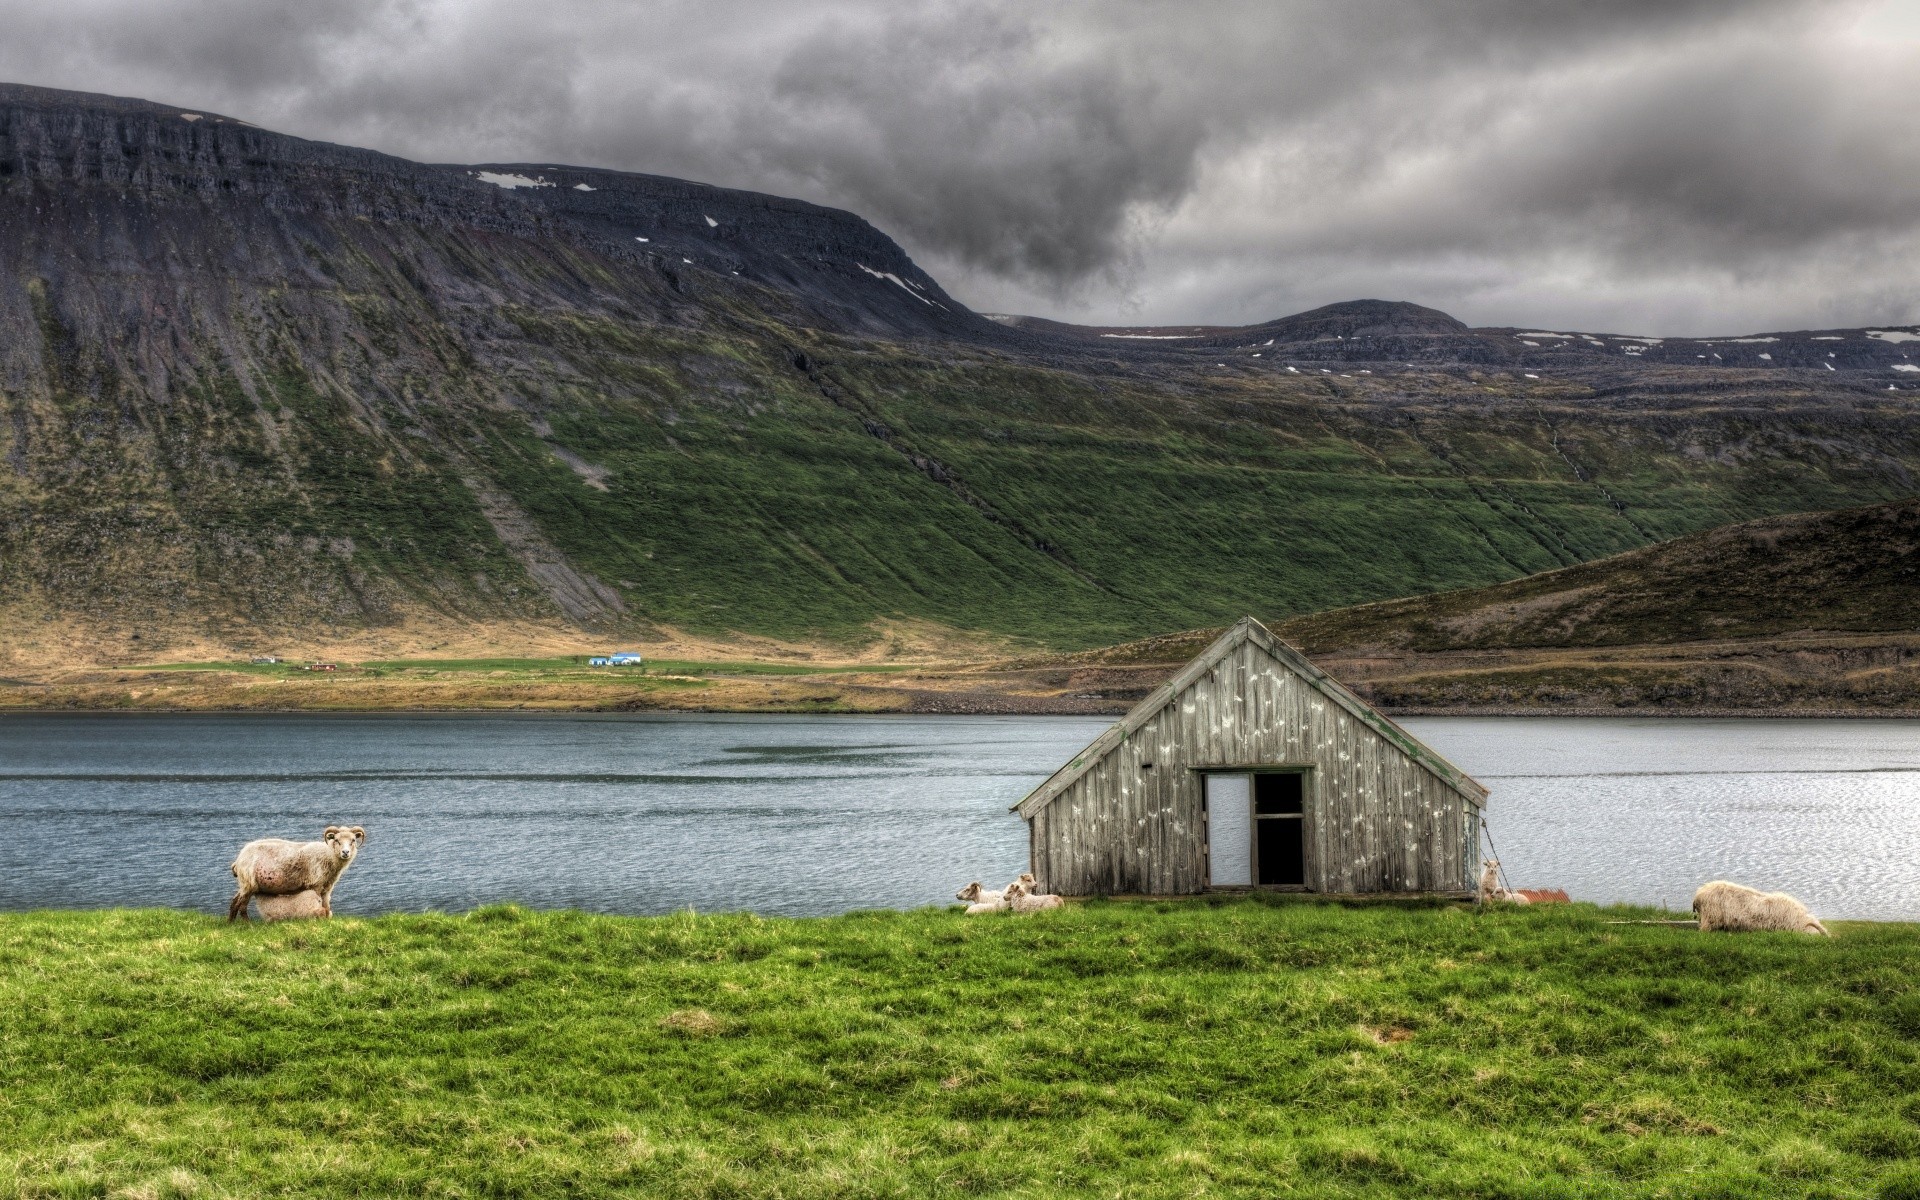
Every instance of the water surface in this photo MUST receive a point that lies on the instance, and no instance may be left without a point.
(811, 814)
(633, 814)
(1646, 810)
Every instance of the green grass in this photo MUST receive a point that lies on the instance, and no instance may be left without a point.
(1114, 1049)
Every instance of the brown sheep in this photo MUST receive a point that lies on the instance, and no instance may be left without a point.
(1731, 906)
(278, 867)
(299, 906)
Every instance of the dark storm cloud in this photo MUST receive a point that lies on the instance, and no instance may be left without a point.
(1676, 165)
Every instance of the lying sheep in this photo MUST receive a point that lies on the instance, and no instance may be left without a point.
(1490, 889)
(299, 906)
(980, 900)
(277, 867)
(1021, 899)
(1723, 905)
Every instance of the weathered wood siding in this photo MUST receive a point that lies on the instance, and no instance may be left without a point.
(1376, 820)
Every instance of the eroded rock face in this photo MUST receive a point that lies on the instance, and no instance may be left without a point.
(87, 155)
(225, 352)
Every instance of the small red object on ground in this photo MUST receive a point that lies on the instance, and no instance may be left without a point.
(1543, 895)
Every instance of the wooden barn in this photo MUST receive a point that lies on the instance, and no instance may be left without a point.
(1252, 767)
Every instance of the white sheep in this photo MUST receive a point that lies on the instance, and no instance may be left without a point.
(299, 906)
(981, 900)
(1723, 905)
(1021, 899)
(1490, 889)
(278, 867)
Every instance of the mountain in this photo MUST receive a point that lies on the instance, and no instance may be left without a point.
(1397, 334)
(254, 387)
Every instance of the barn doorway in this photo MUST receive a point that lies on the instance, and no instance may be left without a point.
(1279, 828)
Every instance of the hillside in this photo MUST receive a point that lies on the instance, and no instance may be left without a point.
(1812, 612)
(1852, 571)
(256, 390)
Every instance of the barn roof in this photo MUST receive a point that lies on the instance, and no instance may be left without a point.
(1251, 630)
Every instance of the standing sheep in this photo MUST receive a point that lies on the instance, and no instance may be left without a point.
(1723, 905)
(1490, 889)
(278, 867)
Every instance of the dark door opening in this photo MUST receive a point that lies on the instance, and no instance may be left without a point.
(1279, 822)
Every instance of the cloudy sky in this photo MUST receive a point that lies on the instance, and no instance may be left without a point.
(1642, 166)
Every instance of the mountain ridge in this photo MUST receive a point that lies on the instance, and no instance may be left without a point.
(252, 383)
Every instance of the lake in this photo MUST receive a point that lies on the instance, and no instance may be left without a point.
(811, 814)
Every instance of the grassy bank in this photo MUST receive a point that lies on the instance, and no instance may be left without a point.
(1137, 1050)
(563, 684)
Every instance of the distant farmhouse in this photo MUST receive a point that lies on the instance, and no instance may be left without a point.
(621, 658)
(1251, 767)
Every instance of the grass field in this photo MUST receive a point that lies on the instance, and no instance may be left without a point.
(571, 666)
(455, 684)
(1114, 1049)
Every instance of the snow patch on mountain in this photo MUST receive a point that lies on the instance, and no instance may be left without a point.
(510, 182)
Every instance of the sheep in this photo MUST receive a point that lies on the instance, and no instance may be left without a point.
(299, 906)
(1031, 904)
(1490, 889)
(1021, 898)
(1731, 906)
(981, 898)
(277, 867)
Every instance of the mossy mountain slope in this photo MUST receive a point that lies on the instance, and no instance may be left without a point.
(252, 383)
(1852, 571)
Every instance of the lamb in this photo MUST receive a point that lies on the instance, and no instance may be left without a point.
(299, 906)
(278, 867)
(1490, 889)
(980, 900)
(1021, 898)
(1731, 906)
